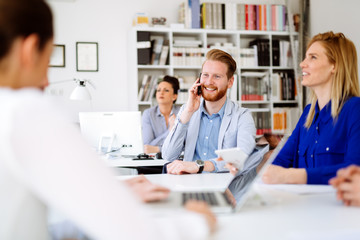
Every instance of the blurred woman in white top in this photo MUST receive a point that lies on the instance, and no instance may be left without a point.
(44, 161)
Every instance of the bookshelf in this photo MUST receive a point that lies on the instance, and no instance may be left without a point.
(266, 86)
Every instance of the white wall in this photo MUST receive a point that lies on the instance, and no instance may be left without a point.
(107, 22)
(338, 16)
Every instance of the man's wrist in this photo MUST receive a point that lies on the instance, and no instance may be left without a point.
(185, 116)
(200, 164)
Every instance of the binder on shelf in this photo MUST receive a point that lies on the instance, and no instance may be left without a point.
(263, 51)
(158, 43)
(164, 53)
(275, 52)
(146, 88)
(153, 87)
(143, 48)
(142, 87)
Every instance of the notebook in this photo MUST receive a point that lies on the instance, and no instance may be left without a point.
(219, 201)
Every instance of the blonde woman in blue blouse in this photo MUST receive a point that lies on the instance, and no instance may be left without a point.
(327, 135)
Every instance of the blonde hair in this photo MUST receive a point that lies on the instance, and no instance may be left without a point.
(341, 52)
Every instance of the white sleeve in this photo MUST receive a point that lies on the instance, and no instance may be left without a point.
(175, 141)
(181, 224)
(246, 133)
(64, 172)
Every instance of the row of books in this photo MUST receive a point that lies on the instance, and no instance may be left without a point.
(152, 50)
(231, 16)
(285, 119)
(283, 86)
(191, 52)
(262, 122)
(148, 87)
(262, 48)
(281, 52)
(185, 56)
(248, 57)
(257, 55)
(282, 55)
(254, 86)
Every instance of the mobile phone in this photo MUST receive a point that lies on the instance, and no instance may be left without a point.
(235, 156)
(199, 87)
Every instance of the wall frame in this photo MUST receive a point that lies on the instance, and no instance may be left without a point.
(57, 58)
(87, 57)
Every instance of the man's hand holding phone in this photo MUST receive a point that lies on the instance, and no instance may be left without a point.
(193, 102)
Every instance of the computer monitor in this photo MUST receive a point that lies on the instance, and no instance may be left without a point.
(117, 133)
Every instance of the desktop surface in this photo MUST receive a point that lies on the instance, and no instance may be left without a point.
(276, 212)
(289, 215)
(129, 162)
(192, 182)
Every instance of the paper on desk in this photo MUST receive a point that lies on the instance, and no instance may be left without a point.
(331, 234)
(300, 189)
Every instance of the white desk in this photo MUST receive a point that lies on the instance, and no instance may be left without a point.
(286, 215)
(192, 182)
(128, 162)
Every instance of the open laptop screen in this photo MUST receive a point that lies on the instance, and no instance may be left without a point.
(241, 187)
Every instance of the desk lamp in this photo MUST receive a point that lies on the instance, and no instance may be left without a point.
(80, 92)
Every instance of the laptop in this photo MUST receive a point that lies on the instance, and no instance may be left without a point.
(220, 202)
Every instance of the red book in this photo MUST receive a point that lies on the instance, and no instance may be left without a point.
(263, 17)
(246, 16)
(258, 17)
(252, 17)
(273, 17)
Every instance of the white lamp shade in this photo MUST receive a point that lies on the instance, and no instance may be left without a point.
(80, 93)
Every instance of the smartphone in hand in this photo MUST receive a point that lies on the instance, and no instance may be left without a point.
(199, 87)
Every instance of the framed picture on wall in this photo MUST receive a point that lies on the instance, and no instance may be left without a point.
(57, 58)
(87, 57)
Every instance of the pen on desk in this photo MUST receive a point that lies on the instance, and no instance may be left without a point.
(114, 150)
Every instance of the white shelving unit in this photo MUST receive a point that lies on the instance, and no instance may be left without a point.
(239, 39)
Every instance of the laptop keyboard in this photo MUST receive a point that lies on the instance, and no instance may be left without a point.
(208, 197)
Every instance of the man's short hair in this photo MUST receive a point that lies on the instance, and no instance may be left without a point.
(224, 57)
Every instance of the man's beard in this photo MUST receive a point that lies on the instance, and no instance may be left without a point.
(213, 97)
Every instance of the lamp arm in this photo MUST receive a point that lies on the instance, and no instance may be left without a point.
(90, 82)
(63, 81)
